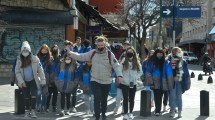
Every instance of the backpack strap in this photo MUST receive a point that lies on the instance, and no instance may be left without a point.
(109, 56)
(94, 52)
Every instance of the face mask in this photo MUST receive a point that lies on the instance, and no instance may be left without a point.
(178, 54)
(129, 55)
(101, 49)
(159, 57)
(67, 61)
(25, 54)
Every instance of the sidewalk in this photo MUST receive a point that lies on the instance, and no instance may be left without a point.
(191, 109)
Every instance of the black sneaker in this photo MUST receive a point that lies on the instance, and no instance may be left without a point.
(54, 109)
(104, 117)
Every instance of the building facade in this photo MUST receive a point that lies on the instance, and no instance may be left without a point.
(195, 33)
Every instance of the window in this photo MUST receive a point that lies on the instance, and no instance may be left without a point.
(213, 11)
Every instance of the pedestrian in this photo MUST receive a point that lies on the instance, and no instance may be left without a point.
(87, 90)
(52, 89)
(44, 55)
(120, 56)
(103, 61)
(68, 44)
(66, 83)
(181, 77)
(30, 76)
(159, 77)
(144, 67)
(132, 70)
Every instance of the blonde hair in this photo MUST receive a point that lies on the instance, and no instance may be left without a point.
(177, 48)
(101, 38)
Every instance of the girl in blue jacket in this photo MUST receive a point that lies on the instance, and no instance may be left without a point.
(66, 82)
(159, 77)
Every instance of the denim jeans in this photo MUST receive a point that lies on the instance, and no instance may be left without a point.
(175, 97)
(89, 102)
(152, 93)
(41, 100)
(119, 97)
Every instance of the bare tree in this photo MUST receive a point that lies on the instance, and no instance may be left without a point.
(139, 15)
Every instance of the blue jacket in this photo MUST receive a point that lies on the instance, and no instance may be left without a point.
(185, 83)
(157, 80)
(144, 67)
(66, 79)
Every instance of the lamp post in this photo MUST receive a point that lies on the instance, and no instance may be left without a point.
(160, 31)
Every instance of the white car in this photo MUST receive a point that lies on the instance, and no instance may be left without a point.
(190, 57)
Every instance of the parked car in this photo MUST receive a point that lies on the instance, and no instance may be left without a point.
(190, 57)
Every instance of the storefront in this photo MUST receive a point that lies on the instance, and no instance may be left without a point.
(34, 25)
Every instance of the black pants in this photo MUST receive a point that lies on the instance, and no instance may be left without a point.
(100, 92)
(74, 96)
(128, 96)
(29, 92)
(165, 98)
(63, 95)
(54, 93)
(158, 94)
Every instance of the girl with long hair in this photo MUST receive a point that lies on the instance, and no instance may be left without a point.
(131, 69)
(44, 55)
(30, 76)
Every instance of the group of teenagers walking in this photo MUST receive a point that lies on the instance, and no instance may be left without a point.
(51, 71)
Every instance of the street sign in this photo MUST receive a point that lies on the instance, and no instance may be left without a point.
(188, 11)
(167, 11)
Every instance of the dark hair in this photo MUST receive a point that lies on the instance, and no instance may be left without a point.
(159, 63)
(86, 43)
(25, 60)
(146, 51)
(56, 55)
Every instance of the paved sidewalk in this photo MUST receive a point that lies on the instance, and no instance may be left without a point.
(191, 104)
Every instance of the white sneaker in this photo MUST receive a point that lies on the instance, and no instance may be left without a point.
(27, 114)
(164, 109)
(179, 114)
(131, 116)
(62, 113)
(33, 114)
(74, 110)
(125, 117)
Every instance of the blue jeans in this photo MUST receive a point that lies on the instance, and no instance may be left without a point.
(152, 93)
(41, 100)
(175, 97)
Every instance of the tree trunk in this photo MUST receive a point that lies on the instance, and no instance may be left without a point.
(142, 48)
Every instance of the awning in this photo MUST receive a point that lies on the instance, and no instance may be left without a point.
(192, 41)
(212, 31)
(88, 9)
(29, 15)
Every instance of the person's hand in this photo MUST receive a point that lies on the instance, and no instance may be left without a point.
(119, 80)
(24, 85)
(67, 49)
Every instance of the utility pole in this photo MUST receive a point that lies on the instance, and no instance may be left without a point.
(173, 24)
(160, 31)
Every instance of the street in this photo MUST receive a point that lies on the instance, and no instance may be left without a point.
(191, 103)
